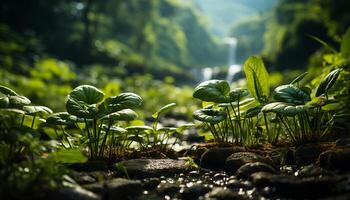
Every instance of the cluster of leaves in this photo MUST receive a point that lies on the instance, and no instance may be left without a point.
(27, 162)
(295, 111)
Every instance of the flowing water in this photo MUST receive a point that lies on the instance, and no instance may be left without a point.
(233, 68)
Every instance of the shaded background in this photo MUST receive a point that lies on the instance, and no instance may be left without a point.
(157, 48)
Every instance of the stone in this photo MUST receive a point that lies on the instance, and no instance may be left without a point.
(121, 188)
(342, 142)
(97, 188)
(247, 169)
(307, 154)
(73, 193)
(169, 189)
(194, 192)
(312, 171)
(146, 168)
(223, 194)
(215, 158)
(151, 183)
(236, 160)
(336, 159)
(293, 187)
(90, 166)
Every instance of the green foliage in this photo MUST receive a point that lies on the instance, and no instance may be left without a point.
(291, 94)
(212, 91)
(257, 78)
(328, 82)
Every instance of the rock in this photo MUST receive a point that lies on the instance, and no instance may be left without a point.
(311, 171)
(215, 158)
(91, 165)
(121, 188)
(194, 192)
(73, 194)
(236, 160)
(293, 187)
(97, 188)
(236, 185)
(342, 142)
(223, 194)
(85, 178)
(307, 154)
(194, 174)
(247, 169)
(151, 183)
(337, 159)
(145, 168)
(169, 189)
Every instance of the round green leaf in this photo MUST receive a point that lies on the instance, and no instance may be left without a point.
(252, 112)
(31, 110)
(139, 128)
(87, 94)
(209, 115)
(164, 109)
(291, 94)
(7, 91)
(213, 91)
(18, 101)
(122, 115)
(81, 109)
(299, 78)
(123, 101)
(284, 108)
(60, 118)
(238, 93)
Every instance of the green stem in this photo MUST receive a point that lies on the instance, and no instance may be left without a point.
(89, 136)
(33, 121)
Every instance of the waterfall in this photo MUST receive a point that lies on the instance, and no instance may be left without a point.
(207, 74)
(233, 68)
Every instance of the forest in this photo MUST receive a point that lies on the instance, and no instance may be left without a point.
(174, 99)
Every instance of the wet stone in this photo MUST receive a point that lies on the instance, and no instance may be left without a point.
(194, 174)
(342, 142)
(236, 160)
(215, 158)
(151, 183)
(73, 194)
(311, 171)
(121, 188)
(223, 194)
(169, 189)
(194, 192)
(335, 159)
(246, 170)
(307, 154)
(145, 168)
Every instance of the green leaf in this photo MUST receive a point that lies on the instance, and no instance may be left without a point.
(69, 156)
(81, 109)
(164, 109)
(257, 78)
(123, 101)
(291, 94)
(345, 44)
(283, 108)
(327, 46)
(122, 115)
(115, 129)
(209, 115)
(328, 82)
(237, 94)
(12, 111)
(7, 91)
(213, 91)
(4, 102)
(18, 101)
(87, 94)
(60, 118)
(252, 112)
(41, 110)
(139, 128)
(183, 127)
(299, 78)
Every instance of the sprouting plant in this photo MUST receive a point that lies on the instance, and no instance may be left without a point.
(154, 137)
(224, 117)
(95, 117)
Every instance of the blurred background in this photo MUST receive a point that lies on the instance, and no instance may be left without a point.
(159, 49)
